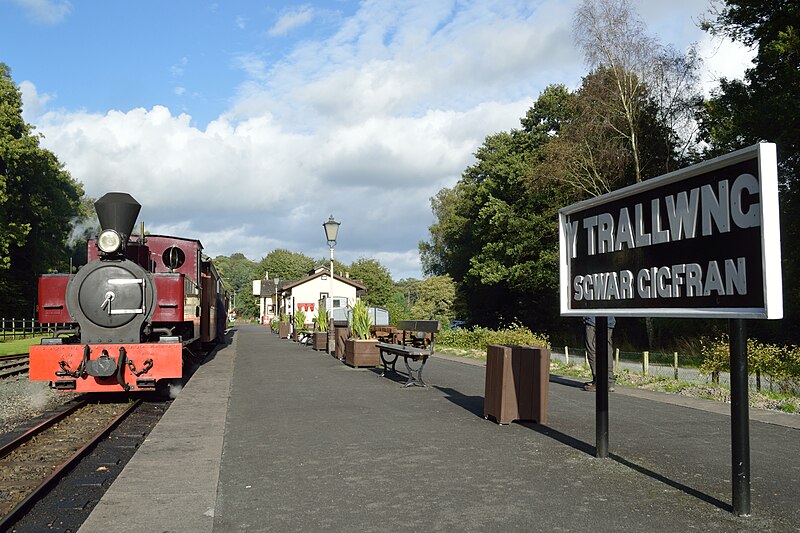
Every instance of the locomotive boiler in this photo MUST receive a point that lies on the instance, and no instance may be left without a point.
(129, 317)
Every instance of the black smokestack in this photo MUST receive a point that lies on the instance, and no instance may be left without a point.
(117, 211)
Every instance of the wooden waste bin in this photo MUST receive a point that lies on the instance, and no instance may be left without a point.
(517, 379)
(341, 332)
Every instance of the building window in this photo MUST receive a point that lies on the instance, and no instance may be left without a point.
(323, 296)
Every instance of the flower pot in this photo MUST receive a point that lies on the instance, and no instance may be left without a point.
(320, 340)
(358, 353)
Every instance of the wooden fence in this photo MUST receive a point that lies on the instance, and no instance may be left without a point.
(21, 328)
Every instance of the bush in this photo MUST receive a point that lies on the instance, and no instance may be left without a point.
(360, 321)
(782, 364)
(716, 356)
(299, 320)
(479, 338)
(321, 320)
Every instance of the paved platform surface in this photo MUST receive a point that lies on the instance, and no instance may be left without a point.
(273, 436)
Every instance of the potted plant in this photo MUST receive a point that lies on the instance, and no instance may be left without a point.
(359, 349)
(299, 324)
(321, 329)
(283, 326)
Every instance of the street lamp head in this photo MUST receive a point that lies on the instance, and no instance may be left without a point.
(277, 280)
(331, 230)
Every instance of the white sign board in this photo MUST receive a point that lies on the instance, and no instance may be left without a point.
(703, 241)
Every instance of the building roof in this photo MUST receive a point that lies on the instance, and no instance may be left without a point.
(318, 272)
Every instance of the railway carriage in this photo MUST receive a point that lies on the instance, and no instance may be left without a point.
(132, 313)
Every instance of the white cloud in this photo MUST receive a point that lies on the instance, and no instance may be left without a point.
(33, 103)
(46, 11)
(291, 20)
(723, 59)
(368, 124)
(177, 69)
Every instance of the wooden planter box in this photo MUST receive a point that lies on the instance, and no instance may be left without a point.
(283, 330)
(359, 353)
(321, 340)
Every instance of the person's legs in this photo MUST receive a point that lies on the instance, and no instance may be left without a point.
(611, 378)
(591, 351)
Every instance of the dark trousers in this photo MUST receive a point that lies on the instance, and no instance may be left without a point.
(591, 353)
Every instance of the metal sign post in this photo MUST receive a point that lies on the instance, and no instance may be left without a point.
(740, 419)
(601, 384)
(702, 242)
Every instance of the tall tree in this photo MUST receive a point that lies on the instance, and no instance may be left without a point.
(764, 106)
(286, 265)
(38, 199)
(640, 70)
(436, 298)
(238, 273)
(495, 232)
(377, 278)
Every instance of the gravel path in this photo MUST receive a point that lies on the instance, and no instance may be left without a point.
(21, 400)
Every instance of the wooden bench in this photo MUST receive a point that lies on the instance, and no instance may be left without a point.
(417, 345)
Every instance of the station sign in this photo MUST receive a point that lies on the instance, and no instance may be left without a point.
(703, 241)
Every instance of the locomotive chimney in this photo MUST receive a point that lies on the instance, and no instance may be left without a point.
(117, 211)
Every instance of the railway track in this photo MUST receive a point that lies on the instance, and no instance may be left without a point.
(32, 463)
(11, 365)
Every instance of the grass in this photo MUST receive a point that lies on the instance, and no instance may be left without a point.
(15, 346)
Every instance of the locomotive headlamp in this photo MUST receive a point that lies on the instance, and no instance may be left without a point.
(109, 241)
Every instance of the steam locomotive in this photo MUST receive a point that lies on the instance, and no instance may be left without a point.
(133, 313)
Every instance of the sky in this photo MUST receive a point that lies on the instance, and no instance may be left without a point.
(247, 124)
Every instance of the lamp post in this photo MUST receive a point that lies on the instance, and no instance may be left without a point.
(275, 310)
(331, 230)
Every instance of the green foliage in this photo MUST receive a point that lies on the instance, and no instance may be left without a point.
(273, 325)
(377, 278)
(435, 300)
(238, 272)
(38, 201)
(360, 321)
(286, 265)
(321, 320)
(764, 107)
(782, 363)
(496, 232)
(283, 317)
(398, 308)
(478, 338)
(716, 356)
(300, 320)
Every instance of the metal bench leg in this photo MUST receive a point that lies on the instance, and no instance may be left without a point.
(387, 363)
(415, 375)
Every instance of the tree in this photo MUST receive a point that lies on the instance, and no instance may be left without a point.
(286, 265)
(377, 278)
(764, 107)
(436, 298)
(38, 199)
(643, 78)
(238, 273)
(495, 232)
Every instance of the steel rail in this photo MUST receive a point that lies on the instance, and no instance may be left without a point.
(36, 493)
(12, 365)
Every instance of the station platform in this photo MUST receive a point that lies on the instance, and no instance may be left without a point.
(269, 435)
